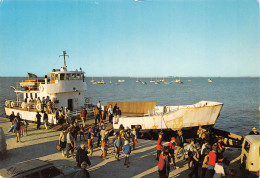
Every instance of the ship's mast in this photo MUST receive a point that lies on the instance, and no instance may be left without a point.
(64, 55)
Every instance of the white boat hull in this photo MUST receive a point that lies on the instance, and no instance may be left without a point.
(30, 115)
(183, 117)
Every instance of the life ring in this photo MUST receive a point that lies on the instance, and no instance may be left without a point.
(41, 88)
(23, 105)
(12, 104)
(38, 106)
(7, 103)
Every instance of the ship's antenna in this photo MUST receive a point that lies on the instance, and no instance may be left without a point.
(64, 55)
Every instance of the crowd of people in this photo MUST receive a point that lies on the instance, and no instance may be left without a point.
(203, 152)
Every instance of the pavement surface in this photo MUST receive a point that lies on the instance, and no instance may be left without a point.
(41, 144)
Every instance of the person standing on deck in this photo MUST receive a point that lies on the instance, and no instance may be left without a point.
(110, 113)
(17, 130)
(38, 117)
(180, 142)
(134, 137)
(212, 161)
(83, 115)
(159, 146)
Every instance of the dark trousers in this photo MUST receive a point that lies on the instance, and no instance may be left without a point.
(69, 148)
(195, 170)
(99, 139)
(203, 172)
(158, 154)
(111, 118)
(211, 173)
(38, 124)
(97, 118)
(162, 174)
(126, 161)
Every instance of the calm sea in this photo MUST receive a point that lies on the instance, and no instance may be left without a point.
(241, 96)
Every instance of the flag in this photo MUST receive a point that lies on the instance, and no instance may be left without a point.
(31, 75)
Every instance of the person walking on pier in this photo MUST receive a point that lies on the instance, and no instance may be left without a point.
(11, 117)
(83, 115)
(117, 145)
(127, 151)
(97, 115)
(159, 146)
(134, 137)
(196, 159)
(38, 117)
(62, 141)
(17, 130)
(180, 142)
(171, 146)
(70, 144)
(82, 155)
(45, 120)
(212, 161)
(81, 132)
(110, 113)
(163, 165)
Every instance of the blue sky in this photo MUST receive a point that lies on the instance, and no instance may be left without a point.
(128, 38)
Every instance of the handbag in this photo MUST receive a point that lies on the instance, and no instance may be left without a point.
(58, 147)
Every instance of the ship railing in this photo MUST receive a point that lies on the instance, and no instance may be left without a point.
(21, 105)
(34, 87)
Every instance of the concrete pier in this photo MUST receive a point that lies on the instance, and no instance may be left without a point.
(42, 143)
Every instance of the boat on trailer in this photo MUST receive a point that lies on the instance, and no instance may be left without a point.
(62, 88)
(148, 116)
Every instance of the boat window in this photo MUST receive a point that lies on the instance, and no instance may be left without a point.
(35, 95)
(67, 76)
(52, 76)
(62, 76)
(31, 95)
(74, 77)
(78, 76)
(26, 95)
(56, 77)
(247, 146)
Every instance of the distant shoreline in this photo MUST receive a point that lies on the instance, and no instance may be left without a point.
(152, 77)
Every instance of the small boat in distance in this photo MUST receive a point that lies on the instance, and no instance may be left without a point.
(157, 82)
(121, 81)
(138, 81)
(144, 83)
(209, 80)
(167, 83)
(102, 82)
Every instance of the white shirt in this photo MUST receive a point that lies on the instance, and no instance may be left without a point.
(219, 171)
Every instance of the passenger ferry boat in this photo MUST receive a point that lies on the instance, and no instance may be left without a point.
(62, 88)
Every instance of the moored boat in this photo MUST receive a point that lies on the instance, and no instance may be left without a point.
(146, 115)
(62, 88)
